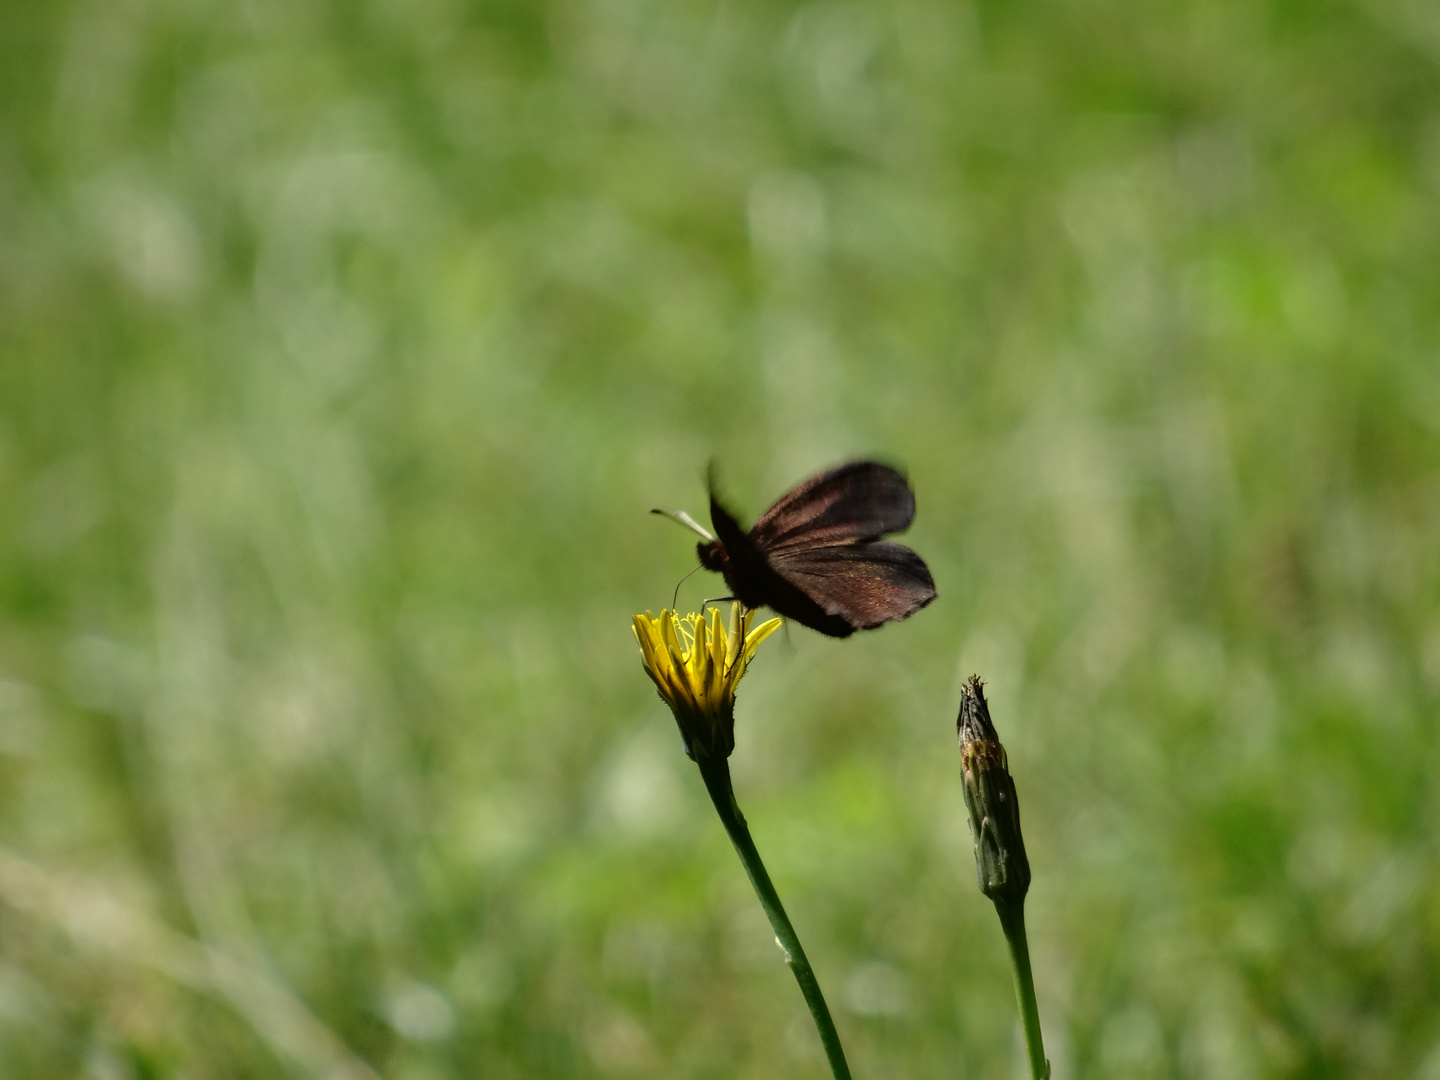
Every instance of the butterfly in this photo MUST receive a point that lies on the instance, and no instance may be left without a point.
(816, 556)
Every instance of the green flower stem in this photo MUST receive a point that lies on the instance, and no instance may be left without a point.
(716, 773)
(1012, 922)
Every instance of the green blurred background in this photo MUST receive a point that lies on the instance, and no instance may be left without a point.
(344, 347)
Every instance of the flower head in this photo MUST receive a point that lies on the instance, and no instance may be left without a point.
(696, 663)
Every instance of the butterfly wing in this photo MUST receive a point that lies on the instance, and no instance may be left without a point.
(865, 585)
(816, 557)
(852, 503)
(755, 583)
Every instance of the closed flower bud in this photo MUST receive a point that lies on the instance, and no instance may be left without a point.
(1000, 861)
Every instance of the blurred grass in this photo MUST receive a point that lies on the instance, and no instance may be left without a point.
(343, 348)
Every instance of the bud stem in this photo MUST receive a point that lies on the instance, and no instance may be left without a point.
(1001, 867)
(716, 773)
(1012, 922)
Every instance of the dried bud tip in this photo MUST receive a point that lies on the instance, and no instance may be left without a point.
(973, 724)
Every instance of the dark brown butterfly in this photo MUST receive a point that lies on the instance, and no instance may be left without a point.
(816, 556)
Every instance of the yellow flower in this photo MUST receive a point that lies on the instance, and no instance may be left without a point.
(696, 665)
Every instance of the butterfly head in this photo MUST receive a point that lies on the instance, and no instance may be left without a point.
(712, 555)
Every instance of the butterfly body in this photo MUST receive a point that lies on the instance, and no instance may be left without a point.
(816, 556)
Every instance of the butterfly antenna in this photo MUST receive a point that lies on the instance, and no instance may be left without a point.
(682, 518)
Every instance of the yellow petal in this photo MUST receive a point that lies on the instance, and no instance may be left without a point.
(641, 629)
(656, 655)
(670, 634)
(719, 671)
(740, 620)
(719, 641)
(699, 665)
(759, 634)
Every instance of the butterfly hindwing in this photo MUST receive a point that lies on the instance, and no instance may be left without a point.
(865, 584)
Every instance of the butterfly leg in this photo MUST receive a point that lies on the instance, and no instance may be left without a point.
(675, 600)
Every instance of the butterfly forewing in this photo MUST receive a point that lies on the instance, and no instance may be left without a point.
(859, 501)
